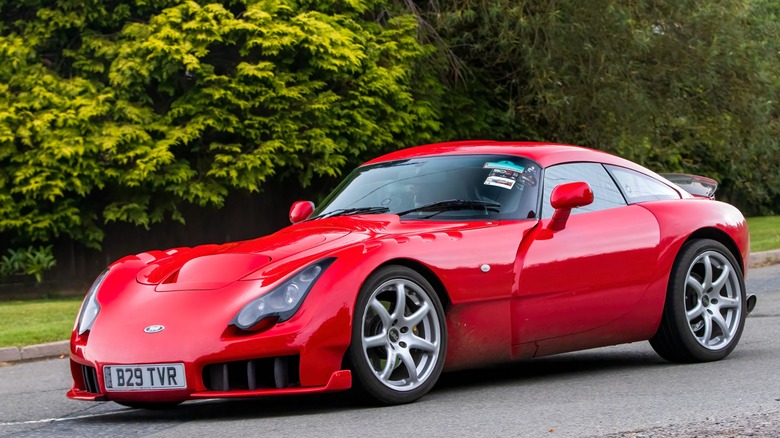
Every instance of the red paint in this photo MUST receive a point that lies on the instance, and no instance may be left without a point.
(594, 279)
(301, 210)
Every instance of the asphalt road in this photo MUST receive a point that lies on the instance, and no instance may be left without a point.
(624, 391)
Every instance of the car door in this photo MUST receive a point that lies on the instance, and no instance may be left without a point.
(591, 272)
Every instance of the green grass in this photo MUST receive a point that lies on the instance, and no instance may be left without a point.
(764, 233)
(38, 321)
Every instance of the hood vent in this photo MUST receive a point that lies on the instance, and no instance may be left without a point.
(205, 272)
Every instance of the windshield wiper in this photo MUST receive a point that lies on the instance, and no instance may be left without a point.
(357, 210)
(454, 204)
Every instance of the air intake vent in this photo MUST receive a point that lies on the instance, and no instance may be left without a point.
(266, 373)
(90, 379)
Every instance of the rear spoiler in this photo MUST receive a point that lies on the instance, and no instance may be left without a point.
(699, 186)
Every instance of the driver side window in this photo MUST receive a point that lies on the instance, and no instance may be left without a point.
(605, 193)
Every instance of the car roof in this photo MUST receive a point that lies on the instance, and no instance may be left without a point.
(546, 154)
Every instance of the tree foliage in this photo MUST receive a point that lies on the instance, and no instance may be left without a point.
(121, 111)
(126, 110)
(684, 85)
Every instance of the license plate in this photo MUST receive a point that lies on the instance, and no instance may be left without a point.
(144, 377)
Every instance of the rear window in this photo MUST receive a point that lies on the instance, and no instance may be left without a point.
(638, 187)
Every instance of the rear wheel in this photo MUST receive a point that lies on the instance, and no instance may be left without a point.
(705, 306)
(399, 336)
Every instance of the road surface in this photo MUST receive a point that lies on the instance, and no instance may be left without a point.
(625, 391)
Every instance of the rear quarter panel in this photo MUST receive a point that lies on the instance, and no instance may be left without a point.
(693, 218)
(682, 220)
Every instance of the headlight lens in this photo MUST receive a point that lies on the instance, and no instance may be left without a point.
(284, 300)
(90, 308)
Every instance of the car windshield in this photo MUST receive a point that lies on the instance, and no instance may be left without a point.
(450, 187)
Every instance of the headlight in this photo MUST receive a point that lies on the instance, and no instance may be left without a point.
(283, 301)
(90, 308)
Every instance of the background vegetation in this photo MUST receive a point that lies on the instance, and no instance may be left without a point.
(132, 111)
(688, 85)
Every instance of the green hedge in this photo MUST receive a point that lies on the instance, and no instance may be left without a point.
(128, 110)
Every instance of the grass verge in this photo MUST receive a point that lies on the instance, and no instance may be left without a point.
(38, 321)
(764, 233)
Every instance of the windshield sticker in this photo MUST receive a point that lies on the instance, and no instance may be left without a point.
(529, 176)
(506, 165)
(502, 178)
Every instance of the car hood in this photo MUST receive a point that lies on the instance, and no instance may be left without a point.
(209, 267)
(214, 266)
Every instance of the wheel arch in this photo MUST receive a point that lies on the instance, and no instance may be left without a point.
(722, 237)
(426, 272)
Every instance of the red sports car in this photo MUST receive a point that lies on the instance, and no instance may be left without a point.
(432, 258)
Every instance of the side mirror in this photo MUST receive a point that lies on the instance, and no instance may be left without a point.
(564, 198)
(301, 210)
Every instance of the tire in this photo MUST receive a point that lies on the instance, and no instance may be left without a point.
(705, 307)
(399, 336)
(151, 406)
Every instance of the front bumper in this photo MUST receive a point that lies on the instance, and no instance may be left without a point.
(260, 365)
(339, 381)
(288, 358)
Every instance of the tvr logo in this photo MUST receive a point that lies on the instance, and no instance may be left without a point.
(154, 329)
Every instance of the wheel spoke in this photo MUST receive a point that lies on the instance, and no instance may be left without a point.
(411, 367)
(400, 301)
(694, 283)
(381, 312)
(722, 279)
(718, 319)
(695, 312)
(705, 338)
(379, 340)
(707, 272)
(415, 318)
(421, 344)
(728, 303)
(389, 366)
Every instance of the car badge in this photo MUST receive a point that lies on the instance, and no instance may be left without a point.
(154, 329)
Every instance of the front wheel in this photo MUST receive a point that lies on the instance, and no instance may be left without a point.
(399, 336)
(705, 307)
